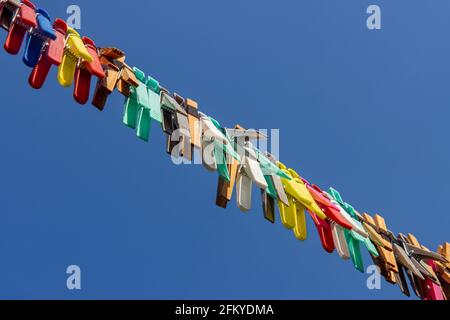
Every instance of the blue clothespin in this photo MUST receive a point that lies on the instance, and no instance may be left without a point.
(38, 38)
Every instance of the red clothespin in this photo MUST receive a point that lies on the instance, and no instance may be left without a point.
(24, 20)
(330, 210)
(85, 71)
(51, 55)
(325, 232)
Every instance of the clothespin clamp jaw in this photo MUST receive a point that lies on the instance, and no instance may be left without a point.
(84, 72)
(24, 20)
(8, 10)
(52, 54)
(75, 52)
(37, 38)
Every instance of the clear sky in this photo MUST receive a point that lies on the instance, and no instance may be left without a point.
(364, 111)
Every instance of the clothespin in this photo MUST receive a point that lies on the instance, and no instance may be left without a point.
(225, 188)
(216, 147)
(376, 228)
(38, 37)
(276, 180)
(331, 211)
(430, 287)
(443, 269)
(143, 105)
(340, 241)
(355, 236)
(106, 86)
(52, 54)
(191, 107)
(74, 52)
(176, 126)
(8, 10)
(85, 71)
(293, 216)
(24, 19)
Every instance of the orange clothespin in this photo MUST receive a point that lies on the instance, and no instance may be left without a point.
(117, 75)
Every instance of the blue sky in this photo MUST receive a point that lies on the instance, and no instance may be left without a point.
(364, 111)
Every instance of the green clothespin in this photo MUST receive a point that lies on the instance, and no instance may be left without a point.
(271, 190)
(143, 105)
(268, 167)
(353, 238)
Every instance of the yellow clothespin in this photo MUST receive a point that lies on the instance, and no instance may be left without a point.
(74, 51)
(293, 216)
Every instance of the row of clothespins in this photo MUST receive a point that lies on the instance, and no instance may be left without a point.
(229, 152)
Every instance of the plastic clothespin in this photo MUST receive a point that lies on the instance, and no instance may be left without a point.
(216, 147)
(52, 54)
(143, 105)
(74, 52)
(109, 58)
(433, 291)
(325, 230)
(297, 188)
(176, 126)
(376, 228)
(249, 172)
(38, 37)
(23, 21)
(355, 236)
(329, 209)
(276, 181)
(84, 72)
(225, 188)
(8, 10)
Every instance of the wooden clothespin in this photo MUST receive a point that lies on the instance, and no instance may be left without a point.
(376, 227)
